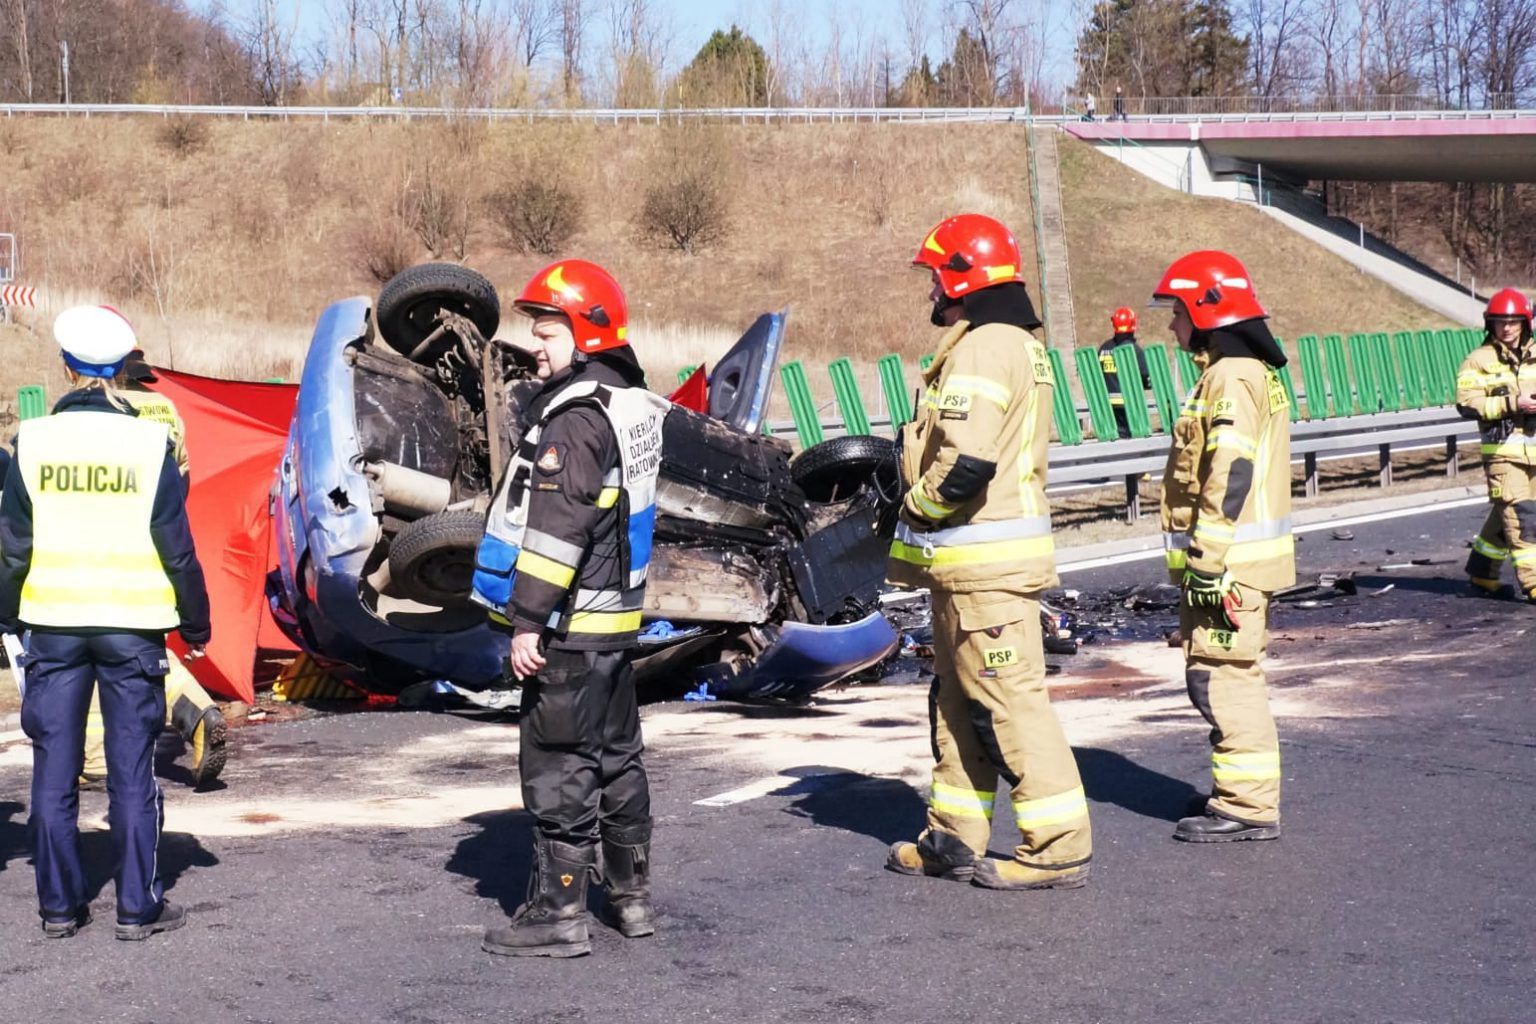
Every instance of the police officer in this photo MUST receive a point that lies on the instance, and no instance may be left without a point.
(1496, 386)
(1123, 320)
(563, 567)
(97, 566)
(190, 710)
(976, 531)
(1226, 513)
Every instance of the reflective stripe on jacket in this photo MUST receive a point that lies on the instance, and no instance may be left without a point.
(92, 478)
(974, 465)
(1488, 385)
(603, 617)
(1226, 503)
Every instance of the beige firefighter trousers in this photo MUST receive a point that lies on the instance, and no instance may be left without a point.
(991, 717)
(1512, 489)
(1227, 686)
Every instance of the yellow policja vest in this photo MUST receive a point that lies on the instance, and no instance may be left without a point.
(92, 477)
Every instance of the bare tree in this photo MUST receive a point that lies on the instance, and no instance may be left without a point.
(20, 36)
(915, 26)
(267, 38)
(638, 38)
(533, 28)
(1273, 28)
(571, 16)
(1510, 32)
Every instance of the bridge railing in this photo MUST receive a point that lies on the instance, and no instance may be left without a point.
(1186, 106)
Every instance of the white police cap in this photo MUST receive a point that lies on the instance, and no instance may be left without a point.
(96, 339)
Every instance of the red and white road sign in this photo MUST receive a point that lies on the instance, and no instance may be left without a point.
(18, 295)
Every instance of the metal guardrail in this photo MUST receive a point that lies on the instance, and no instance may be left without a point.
(1313, 441)
(1199, 106)
(744, 115)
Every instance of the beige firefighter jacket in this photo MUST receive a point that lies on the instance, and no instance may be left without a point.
(1227, 489)
(973, 463)
(1488, 385)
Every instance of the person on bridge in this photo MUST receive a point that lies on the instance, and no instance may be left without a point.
(1226, 514)
(1123, 320)
(562, 566)
(975, 530)
(1496, 386)
(98, 566)
(189, 708)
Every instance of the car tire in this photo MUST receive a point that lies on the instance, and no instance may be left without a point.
(837, 469)
(409, 303)
(432, 560)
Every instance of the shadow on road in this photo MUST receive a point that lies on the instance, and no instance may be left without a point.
(886, 809)
(1113, 778)
(497, 857)
(13, 832)
(178, 851)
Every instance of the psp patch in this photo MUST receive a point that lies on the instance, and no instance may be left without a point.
(552, 459)
(999, 657)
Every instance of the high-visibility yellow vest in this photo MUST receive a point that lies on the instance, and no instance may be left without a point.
(92, 477)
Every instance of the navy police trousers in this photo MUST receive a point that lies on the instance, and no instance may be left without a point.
(60, 670)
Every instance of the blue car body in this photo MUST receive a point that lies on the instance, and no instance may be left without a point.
(328, 524)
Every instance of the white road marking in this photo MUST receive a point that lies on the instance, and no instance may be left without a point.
(760, 788)
(1327, 524)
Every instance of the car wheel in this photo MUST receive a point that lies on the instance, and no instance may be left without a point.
(433, 559)
(409, 305)
(839, 468)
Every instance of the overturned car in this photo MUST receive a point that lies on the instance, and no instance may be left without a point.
(765, 577)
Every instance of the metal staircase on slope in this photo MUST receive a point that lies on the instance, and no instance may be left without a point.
(1051, 238)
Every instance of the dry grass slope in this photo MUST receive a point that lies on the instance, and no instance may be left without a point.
(224, 253)
(1123, 230)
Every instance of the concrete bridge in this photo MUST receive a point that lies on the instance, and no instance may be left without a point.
(1495, 146)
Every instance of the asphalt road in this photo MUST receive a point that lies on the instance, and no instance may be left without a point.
(347, 868)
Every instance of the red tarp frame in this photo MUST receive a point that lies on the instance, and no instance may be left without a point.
(235, 436)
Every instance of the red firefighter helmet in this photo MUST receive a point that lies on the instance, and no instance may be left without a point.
(588, 295)
(1214, 287)
(1124, 320)
(970, 252)
(1508, 304)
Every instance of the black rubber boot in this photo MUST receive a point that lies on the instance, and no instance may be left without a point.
(627, 882)
(1213, 828)
(205, 734)
(554, 920)
(937, 855)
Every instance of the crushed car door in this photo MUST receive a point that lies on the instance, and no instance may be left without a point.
(742, 381)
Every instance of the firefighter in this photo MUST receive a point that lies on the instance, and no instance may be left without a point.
(189, 708)
(1124, 322)
(975, 529)
(1227, 533)
(562, 566)
(1496, 386)
(97, 567)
